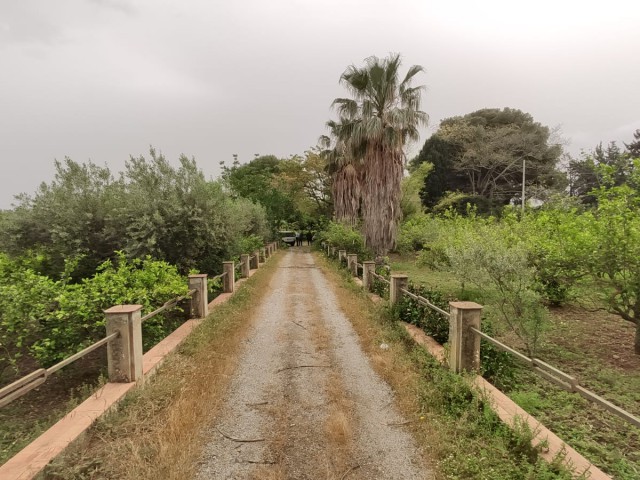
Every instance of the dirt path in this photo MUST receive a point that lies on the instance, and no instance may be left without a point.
(305, 402)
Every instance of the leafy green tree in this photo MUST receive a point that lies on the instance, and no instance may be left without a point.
(411, 203)
(615, 263)
(588, 172)
(442, 178)
(375, 124)
(305, 180)
(153, 208)
(482, 154)
(256, 181)
(71, 216)
(634, 147)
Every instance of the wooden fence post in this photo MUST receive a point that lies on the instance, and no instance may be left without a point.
(124, 353)
(255, 258)
(200, 299)
(352, 262)
(367, 278)
(230, 277)
(464, 344)
(397, 282)
(244, 265)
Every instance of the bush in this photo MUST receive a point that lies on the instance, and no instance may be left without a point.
(344, 237)
(417, 232)
(50, 320)
(153, 208)
(433, 323)
(496, 260)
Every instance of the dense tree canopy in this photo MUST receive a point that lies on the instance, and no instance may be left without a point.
(152, 208)
(608, 166)
(294, 192)
(481, 154)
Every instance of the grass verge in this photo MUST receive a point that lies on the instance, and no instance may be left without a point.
(458, 432)
(156, 431)
(593, 346)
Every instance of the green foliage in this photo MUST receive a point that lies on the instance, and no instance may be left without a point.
(481, 154)
(249, 244)
(615, 264)
(343, 237)
(416, 233)
(558, 241)
(496, 365)
(433, 323)
(493, 257)
(379, 287)
(271, 183)
(411, 203)
(608, 166)
(52, 319)
(153, 208)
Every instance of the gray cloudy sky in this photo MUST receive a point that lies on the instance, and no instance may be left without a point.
(103, 79)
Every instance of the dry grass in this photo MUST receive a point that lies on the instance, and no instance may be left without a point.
(156, 433)
(393, 365)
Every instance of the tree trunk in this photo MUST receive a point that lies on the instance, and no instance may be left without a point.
(381, 198)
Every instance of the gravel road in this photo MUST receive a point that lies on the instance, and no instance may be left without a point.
(304, 402)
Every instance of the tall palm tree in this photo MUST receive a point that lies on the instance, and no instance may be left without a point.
(376, 124)
(346, 175)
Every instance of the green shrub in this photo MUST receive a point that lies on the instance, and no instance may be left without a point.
(344, 237)
(50, 320)
(433, 323)
(417, 232)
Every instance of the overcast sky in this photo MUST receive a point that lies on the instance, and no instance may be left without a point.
(105, 79)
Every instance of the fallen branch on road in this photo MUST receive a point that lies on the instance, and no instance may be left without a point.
(241, 440)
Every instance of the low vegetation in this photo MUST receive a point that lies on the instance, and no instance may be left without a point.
(594, 347)
(454, 424)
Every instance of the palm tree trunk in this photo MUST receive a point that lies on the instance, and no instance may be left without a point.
(381, 198)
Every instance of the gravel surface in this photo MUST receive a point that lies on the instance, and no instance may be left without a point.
(305, 402)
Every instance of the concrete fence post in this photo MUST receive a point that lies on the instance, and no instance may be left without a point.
(342, 254)
(230, 277)
(368, 268)
(464, 344)
(397, 283)
(263, 255)
(124, 353)
(333, 251)
(244, 265)
(255, 259)
(352, 263)
(328, 249)
(200, 299)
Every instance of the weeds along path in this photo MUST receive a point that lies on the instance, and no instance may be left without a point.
(304, 402)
